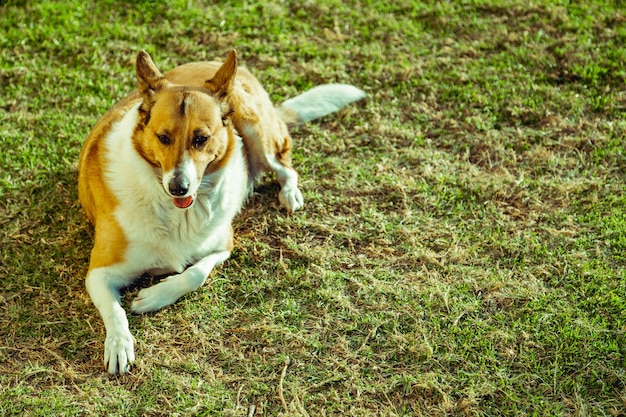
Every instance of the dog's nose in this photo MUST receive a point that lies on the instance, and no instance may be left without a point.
(178, 185)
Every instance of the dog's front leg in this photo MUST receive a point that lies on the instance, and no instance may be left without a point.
(118, 346)
(173, 287)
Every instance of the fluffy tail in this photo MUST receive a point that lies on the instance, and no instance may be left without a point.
(318, 102)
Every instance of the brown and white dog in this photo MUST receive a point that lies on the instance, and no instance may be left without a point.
(165, 171)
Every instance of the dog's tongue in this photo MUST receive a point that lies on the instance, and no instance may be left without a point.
(183, 202)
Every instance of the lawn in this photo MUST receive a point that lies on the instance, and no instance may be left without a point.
(462, 250)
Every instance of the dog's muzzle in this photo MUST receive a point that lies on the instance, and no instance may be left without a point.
(178, 187)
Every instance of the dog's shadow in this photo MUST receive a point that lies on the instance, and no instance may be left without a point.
(45, 241)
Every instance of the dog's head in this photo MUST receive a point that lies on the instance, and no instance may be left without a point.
(184, 132)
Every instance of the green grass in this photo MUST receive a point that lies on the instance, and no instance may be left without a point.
(463, 246)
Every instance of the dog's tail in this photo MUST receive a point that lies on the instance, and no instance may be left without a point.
(318, 102)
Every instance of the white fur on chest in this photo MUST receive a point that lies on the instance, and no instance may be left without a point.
(162, 237)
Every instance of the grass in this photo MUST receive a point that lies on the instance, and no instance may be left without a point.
(461, 252)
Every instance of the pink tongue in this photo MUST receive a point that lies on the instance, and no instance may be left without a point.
(183, 202)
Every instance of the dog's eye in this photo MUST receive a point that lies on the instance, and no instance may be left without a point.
(164, 139)
(199, 140)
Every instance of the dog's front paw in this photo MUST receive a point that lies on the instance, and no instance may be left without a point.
(119, 353)
(291, 198)
(155, 297)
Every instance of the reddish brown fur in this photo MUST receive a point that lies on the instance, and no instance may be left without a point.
(92, 187)
(202, 116)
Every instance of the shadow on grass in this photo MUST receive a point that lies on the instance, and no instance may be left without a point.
(46, 319)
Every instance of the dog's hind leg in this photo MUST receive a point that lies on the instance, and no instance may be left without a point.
(290, 196)
(173, 287)
(269, 147)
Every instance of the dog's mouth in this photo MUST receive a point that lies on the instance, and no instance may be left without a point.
(183, 202)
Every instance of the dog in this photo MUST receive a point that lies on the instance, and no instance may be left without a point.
(163, 173)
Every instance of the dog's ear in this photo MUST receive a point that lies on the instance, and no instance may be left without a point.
(222, 81)
(150, 81)
(149, 77)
